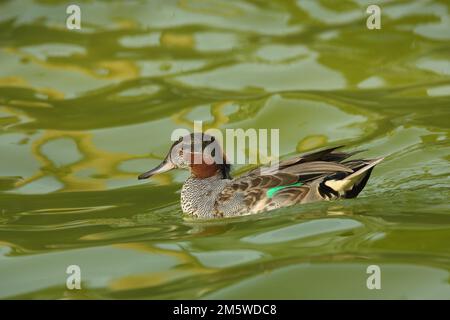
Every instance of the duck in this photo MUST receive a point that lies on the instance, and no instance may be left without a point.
(211, 192)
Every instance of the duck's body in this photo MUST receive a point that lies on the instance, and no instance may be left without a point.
(314, 177)
(325, 175)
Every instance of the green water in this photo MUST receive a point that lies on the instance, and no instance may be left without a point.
(82, 113)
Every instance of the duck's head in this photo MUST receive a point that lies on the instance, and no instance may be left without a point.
(198, 152)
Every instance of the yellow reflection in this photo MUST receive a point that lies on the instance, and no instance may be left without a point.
(104, 163)
(13, 81)
(216, 110)
(170, 39)
(190, 266)
(311, 142)
(106, 69)
(16, 81)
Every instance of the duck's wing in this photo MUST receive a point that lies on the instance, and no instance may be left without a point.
(329, 155)
(255, 193)
(302, 180)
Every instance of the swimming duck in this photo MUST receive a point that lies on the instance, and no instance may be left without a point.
(211, 192)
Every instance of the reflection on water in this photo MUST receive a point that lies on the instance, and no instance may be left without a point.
(83, 112)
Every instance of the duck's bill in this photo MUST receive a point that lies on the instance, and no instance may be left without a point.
(163, 167)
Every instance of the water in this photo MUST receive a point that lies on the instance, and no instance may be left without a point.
(82, 113)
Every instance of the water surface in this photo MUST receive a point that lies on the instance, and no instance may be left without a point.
(82, 113)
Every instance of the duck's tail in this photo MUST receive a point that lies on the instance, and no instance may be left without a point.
(351, 185)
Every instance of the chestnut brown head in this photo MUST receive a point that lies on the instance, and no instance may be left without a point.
(198, 152)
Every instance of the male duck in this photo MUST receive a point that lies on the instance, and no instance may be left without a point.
(210, 191)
